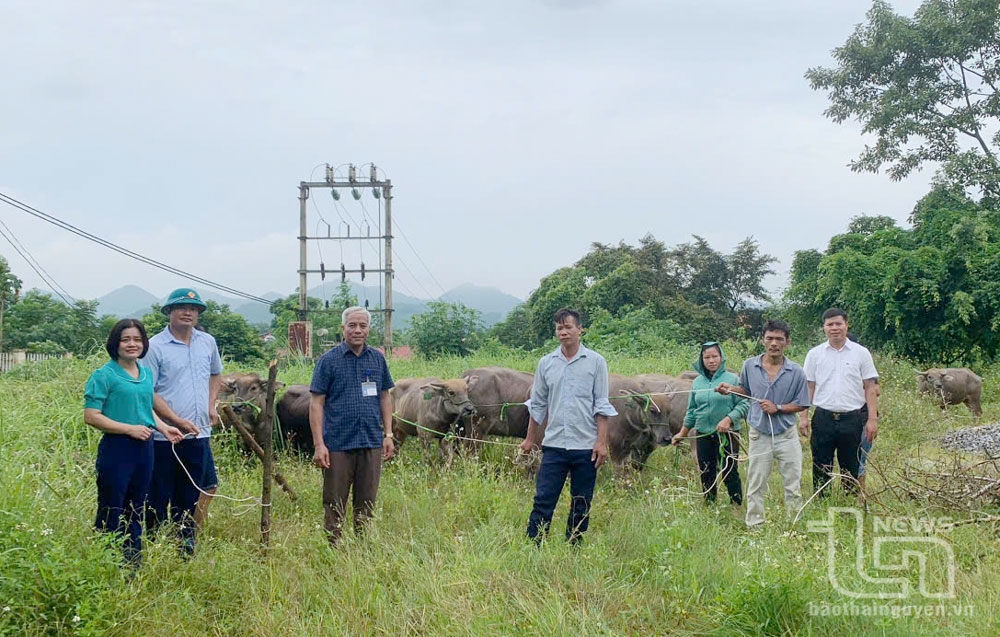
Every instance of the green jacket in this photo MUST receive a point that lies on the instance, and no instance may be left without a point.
(707, 408)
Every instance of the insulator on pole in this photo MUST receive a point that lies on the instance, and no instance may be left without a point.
(322, 271)
(362, 271)
(343, 273)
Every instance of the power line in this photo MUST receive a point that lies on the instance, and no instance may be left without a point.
(32, 266)
(27, 256)
(125, 251)
(417, 254)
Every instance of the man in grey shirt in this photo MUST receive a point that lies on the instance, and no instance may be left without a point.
(778, 391)
(570, 395)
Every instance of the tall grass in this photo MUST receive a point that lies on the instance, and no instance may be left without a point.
(446, 553)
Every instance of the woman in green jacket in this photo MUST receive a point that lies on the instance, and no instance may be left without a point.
(717, 420)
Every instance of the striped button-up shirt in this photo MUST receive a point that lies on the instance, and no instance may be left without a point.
(571, 393)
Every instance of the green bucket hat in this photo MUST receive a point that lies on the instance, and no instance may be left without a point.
(183, 296)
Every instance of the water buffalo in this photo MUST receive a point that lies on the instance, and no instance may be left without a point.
(433, 404)
(246, 394)
(676, 390)
(952, 386)
(497, 387)
(293, 418)
(640, 426)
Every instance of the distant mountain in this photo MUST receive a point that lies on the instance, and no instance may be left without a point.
(491, 302)
(129, 301)
(133, 301)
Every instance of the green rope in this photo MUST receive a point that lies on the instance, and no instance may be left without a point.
(238, 403)
(450, 436)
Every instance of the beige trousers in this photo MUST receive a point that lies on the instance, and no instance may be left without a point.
(763, 451)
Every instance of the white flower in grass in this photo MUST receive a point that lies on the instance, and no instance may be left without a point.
(76, 619)
(47, 531)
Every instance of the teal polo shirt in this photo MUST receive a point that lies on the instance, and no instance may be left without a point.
(113, 392)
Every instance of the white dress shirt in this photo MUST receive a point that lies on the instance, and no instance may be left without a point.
(839, 375)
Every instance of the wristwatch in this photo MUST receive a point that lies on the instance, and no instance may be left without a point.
(779, 408)
(387, 435)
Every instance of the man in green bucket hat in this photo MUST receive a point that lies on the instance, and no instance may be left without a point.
(186, 369)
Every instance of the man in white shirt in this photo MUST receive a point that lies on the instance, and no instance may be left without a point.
(843, 387)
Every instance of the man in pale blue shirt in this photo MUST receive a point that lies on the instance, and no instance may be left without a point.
(570, 396)
(186, 369)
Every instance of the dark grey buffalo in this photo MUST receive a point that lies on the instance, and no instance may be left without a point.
(642, 423)
(246, 394)
(498, 396)
(675, 390)
(429, 408)
(293, 418)
(953, 385)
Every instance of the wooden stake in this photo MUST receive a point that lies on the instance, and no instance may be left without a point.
(229, 416)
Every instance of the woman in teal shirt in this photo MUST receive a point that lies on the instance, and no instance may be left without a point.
(118, 400)
(717, 420)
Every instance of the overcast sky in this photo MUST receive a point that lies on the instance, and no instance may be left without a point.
(515, 133)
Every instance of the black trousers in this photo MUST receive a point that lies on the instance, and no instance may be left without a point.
(840, 435)
(713, 449)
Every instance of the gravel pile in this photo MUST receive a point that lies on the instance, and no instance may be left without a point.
(982, 439)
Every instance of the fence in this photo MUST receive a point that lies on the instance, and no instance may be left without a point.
(10, 360)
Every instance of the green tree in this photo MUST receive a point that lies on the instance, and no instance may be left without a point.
(514, 331)
(926, 88)
(445, 328)
(10, 290)
(707, 293)
(931, 293)
(746, 268)
(38, 318)
(237, 340)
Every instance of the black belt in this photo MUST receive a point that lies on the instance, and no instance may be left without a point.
(837, 415)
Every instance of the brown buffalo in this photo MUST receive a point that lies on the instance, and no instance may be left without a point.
(246, 394)
(952, 386)
(433, 404)
(498, 397)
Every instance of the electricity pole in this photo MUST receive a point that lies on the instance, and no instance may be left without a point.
(380, 189)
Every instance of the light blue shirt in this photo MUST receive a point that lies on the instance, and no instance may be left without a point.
(570, 393)
(181, 373)
(788, 387)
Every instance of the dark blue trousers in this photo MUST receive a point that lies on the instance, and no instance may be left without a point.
(172, 494)
(124, 471)
(556, 463)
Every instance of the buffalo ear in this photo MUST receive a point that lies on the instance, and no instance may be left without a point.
(278, 385)
(947, 378)
(431, 389)
(471, 381)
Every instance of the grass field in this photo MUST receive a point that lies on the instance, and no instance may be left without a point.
(447, 554)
